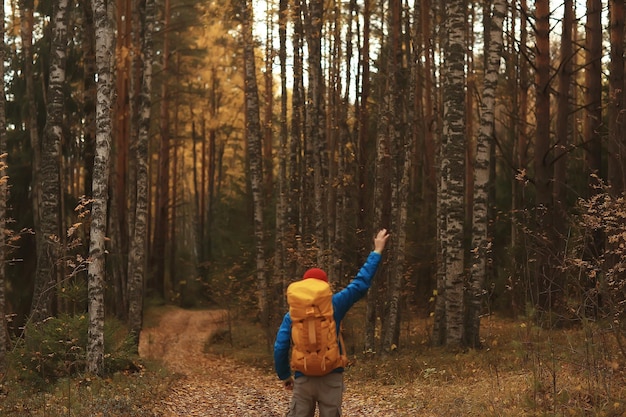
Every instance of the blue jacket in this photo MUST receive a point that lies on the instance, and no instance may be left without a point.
(342, 302)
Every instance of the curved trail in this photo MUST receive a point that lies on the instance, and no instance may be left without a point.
(212, 386)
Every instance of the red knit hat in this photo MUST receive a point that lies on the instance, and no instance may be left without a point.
(315, 273)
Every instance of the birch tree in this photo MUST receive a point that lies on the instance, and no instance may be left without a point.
(96, 270)
(49, 205)
(451, 186)
(400, 147)
(486, 136)
(254, 142)
(139, 235)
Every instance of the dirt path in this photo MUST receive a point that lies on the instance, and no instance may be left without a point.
(211, 386)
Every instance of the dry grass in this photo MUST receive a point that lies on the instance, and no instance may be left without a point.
(521, 371)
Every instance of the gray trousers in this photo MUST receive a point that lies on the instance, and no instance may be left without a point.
(326, 392)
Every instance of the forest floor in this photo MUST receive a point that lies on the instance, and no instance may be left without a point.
(214, 386)
(517, 374)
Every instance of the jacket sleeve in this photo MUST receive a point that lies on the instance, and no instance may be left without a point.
(282, 345)
(345, 299)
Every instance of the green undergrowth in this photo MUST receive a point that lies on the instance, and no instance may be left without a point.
(45, 374)
(124, 393)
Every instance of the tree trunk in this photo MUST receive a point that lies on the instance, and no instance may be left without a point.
(254, 145)
(382, 191)
(399, 139)
(364, 206)
(122, 141)
(89, 93)
(160, 238)
(48, 235)
(282, 199)
(317, 160)
(543, 285)
(593, 96)
(564, 108)
(4, 337)
(617, 131)
(137, 256)
(30, 116)
(297, 191)
(97, 247)
(519, 81)
(452, 172)
(268, 129)
(481, 241)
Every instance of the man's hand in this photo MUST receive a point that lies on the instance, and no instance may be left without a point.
(380, 240)
(288, 383)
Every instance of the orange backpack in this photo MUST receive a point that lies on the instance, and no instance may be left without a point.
(315, 349)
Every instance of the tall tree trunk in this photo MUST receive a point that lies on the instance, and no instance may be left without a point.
(451, 190)
(89, 93)
(49, 232)
(282, 198)
(4, 337)
(399, 139)
(430, 176)
(519, 81)
(162, 192)
(316, 139)
(543, 285)
(297, 191)
(30, 108)
(254, 144)
(563, 125)
(122, 141)
(174, 279)
(268, 79)
(362, 226)
(137, 256)
(593, 111)
(481, 241)
(617, 130)
(382, 194)
(593, 96)
(97, 247)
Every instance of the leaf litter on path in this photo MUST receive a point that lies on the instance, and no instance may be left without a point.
(214, 386)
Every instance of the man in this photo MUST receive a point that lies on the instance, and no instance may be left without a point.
(324, 391)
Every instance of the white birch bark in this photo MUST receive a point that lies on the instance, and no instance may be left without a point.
(452, 170)
(137, 258)
(49, 204)
(96, 270)
(484, 143)
(253, 135)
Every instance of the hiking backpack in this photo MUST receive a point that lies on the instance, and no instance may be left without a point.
(315, 348)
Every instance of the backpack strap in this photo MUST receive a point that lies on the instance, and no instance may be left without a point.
(342, 347)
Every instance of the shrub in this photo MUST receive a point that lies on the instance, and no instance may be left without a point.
(57, 348)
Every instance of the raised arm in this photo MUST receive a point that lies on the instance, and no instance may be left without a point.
(380, 240)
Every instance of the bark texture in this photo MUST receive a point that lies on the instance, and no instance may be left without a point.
(97, 246)
(48, 235)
